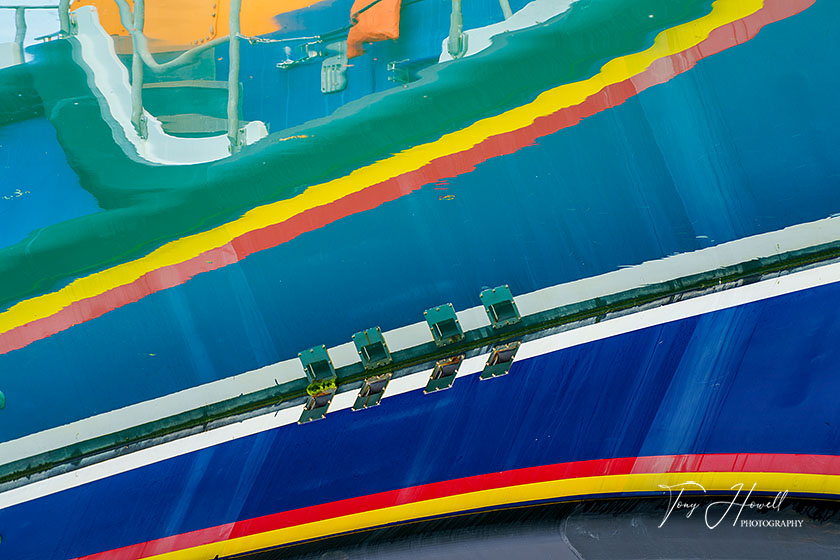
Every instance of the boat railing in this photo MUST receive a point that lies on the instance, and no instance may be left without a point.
(20, 23)
(457, 40)
(233, 76)
(20, 31)
(505, 4)
(133, 19)
(64, 15)
(456, 44)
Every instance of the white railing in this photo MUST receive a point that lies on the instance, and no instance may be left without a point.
(20, 22)
(133, 21)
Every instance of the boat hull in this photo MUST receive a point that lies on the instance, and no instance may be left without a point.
(739, 396)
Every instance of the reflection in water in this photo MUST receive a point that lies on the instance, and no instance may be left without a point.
(17, 194)
(567, 165)
(196, 190)
(605, 530)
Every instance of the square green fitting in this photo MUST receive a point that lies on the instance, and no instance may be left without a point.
(500, 307)
(372, 349)
(500, 360)
(316, 407)
(317, 364)
(443, 376)
(443, 322)
(372, 391)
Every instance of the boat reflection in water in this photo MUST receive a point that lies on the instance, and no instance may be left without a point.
(587, 248)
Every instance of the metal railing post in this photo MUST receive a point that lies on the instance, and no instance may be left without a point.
(64, 16)
(456, 45)
(141, 44)
(233, 77)
(137, 117)
(505, 4)
(20, 32)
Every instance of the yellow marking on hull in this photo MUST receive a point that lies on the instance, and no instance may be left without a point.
(500, 497)
(667, 43)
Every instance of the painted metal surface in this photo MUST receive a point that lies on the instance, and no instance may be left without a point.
(772, 287)
(573, 531)
(626, 413)
(34, 195)
(574, 295)
(607, 134)
(629, 190)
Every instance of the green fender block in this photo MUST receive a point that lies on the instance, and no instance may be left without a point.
(372, 391)
(443, 322)
(500, 307)
(500, 360)
(443, 376)
(316, 407)
(317, 364)
(372, 349)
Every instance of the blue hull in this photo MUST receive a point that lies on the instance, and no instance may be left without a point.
(724, 151)
(711, 361)
(754, 379)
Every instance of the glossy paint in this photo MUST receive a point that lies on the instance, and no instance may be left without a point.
(173, 26)
(741, 395)
(38, 188)
(618, 179)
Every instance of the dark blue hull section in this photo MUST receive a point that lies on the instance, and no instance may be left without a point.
(758, 378)
(740, 145)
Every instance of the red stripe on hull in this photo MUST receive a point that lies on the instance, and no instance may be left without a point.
(731, 462)
(371, 197)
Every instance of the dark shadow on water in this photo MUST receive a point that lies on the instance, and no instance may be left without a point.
(607, 529)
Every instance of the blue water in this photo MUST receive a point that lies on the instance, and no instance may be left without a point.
(740, 145)
(698, 385)
(283, 99)
(37, 186)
